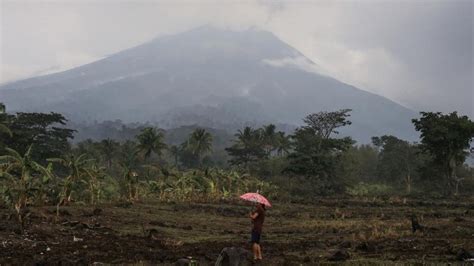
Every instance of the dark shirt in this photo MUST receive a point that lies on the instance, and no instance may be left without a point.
(258, 221)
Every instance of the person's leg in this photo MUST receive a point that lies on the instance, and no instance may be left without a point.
(259, 252)
(255, 251)
(254, 242)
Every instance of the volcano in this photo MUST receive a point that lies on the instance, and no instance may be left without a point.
(210, 77)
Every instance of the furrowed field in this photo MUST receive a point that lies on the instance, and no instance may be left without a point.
(363, 230)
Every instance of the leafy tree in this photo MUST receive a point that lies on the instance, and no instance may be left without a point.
(398, 160)
(447, 138)
(325, 123)
(359, 164)
(45, 131)
(315, 153)
(199, 143)
(151, 141)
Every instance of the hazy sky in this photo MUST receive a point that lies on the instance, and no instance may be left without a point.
(418, 53)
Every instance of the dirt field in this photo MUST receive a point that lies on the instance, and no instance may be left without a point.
(366, 230)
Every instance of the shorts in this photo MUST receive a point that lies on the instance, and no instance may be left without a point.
(255, 237)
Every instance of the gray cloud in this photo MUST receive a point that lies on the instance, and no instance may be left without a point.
(418, 53)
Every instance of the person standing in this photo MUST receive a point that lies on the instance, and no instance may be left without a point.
(258, 217)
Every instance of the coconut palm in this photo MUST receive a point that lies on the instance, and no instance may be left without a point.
(245, 137)
(200, 143)
(248, 147)
(108, 149)
(269, 136)
(20, 170)
(150, 141)
(283, 143)
(174, 151)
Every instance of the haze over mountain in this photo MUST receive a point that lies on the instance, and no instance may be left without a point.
(211, 77)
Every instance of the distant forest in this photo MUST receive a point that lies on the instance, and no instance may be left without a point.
(111, 160)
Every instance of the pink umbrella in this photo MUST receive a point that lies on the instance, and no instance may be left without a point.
(255, 197)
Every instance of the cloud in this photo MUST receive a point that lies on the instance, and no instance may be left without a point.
(299, 62)
(418, 53)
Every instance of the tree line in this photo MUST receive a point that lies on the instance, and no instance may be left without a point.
(39, 165)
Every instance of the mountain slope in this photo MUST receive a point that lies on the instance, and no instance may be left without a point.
(208, 76)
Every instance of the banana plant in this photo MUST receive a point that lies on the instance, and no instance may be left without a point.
(47, 186)
(96, 176)
(129, 165)
(77, 167)
(19, 172)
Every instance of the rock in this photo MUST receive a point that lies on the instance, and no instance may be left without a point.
(233, 256)
(153, 234)
(339, 255)
(464, 255)
(189, 261)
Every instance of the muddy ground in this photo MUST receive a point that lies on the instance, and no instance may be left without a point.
(362, 230)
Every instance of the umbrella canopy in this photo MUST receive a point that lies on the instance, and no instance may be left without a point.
(255, 197)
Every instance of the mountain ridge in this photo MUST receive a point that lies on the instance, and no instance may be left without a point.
(221, 77)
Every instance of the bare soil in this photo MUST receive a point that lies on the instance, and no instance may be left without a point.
(360, 231)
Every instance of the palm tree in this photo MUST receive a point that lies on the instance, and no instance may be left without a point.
(78, 167)
(248, 147)
(283, 143)
(14, 164)
(269, 135)
(4, 128)
(245, 137)
(108, 149)
(151, 141)
(174, 151)
(200, 143)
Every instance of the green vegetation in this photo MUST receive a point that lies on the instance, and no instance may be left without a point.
(447, 139)
(4, 128)
(152, 191)
(39, 165)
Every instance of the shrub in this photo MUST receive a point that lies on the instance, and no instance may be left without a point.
(369, 189)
